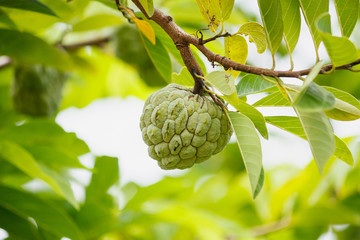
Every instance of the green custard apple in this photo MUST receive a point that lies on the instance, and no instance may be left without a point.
(182, 128)
(37, 89)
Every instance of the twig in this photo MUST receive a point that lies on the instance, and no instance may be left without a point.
(202, 42)
(94, 42)
(122, 9)
(271, 227)
(178, 35)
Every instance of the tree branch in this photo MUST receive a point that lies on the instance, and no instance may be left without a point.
(181, 43)
(179, 36)
(202, 41)
(93, 42)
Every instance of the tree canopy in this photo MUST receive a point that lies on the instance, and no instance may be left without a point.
(56, 54)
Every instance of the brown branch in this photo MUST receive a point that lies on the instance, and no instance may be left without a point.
(202, 42)
(93, 42)
(179, 36)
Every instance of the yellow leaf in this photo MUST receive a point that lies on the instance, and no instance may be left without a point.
(236, 49)
(215, 12)
(256, 34)
(144, 27)
(211, 12)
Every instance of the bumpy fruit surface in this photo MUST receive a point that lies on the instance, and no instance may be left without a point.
(37, 89)
(182, 128)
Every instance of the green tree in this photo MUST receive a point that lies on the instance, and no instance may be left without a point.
(56, 54)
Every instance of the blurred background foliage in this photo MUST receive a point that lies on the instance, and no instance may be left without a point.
(39, 161)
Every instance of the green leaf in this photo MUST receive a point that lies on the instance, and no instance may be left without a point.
(168, 42)
(106, 174)
(260, 183)
(342, 152)
(99, 211)
(16, 226)
(222, 81)
(275, 99)
(236, 49)
(27, 48)
(340, 49)
(63, 184)
(319, 134)
(294, 126)
(311, 11)
(347, 107)
(256, 34)
(324, 23)
(23, 160)
(183, 78)
(250, 84)
(249, 111)
(29, 5)
(311, 96)
(271, 17)
(250, 148)
(95, 219)
(95, 22)
(211, 13)
(46, 216)
(160, 57)
(215, 12)
(311, 76)
(5, 21)
(315, 98)
(226, 8)
(291, 17)
(53, 157)
(109, 3)
(148, 5)
(347, 12)
(324, 215)
(45, 133)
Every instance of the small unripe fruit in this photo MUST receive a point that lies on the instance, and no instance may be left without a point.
(182, 128)
(37, 89)
(130, 48)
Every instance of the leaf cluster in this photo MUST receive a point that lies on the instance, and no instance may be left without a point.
(211, 201)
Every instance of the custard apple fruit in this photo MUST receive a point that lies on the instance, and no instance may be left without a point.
(37, 89)
(182, 128)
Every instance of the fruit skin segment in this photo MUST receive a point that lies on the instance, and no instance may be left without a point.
(182, 128)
